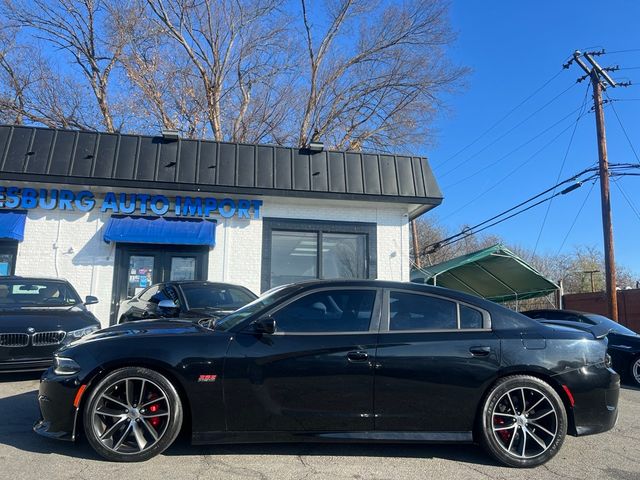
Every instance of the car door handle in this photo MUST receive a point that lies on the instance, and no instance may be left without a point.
(480, 351)
(358, 356)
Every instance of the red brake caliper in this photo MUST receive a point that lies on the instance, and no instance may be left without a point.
(504, 434)
(155, 421)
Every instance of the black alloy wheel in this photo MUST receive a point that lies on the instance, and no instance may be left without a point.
(133, 414)
(524, 422)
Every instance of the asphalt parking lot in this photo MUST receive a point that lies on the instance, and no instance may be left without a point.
(23, 454)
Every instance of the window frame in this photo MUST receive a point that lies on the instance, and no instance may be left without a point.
(269, 225)
(386, 308)
(374, 323)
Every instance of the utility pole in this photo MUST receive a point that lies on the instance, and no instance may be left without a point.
(599, 80)
(414, 235)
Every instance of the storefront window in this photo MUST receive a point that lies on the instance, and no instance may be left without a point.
(344, 255)
(294, 257)
(311, 250)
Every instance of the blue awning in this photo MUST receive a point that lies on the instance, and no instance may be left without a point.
(12, 225)
(161, 230)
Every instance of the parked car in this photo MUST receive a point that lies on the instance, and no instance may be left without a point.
(38, 316)
(339, 361)
(192, 300)
(624, 343)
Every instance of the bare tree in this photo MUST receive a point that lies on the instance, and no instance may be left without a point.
(233, 46)
(375, 73)
(80, 28)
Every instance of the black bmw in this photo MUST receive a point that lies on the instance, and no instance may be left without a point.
(38, 316)
(336, 361)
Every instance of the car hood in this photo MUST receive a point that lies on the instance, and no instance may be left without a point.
(143, 328)
(45, 319)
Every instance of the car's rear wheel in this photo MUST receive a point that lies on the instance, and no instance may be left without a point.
(635, 372)
(132, 415)
(524, 422)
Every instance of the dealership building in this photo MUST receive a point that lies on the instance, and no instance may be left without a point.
(116, 213)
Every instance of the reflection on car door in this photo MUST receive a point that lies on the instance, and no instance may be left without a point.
(314, 373)
(433, 356)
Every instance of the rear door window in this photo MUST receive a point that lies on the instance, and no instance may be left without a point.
(408, 311)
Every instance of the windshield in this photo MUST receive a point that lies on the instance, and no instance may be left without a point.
(615, 327)
(36, 293)
(203, 295)
(258, 304)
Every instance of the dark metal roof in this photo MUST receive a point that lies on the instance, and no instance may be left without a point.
(116, 160)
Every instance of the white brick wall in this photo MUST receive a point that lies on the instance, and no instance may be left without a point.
(69, 244)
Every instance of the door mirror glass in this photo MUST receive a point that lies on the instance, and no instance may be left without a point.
(265, 325)
(90, 300)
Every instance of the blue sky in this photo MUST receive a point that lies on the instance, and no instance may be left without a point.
(513, 48)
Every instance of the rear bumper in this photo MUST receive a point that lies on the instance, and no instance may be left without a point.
(58, 415)
(595, 390)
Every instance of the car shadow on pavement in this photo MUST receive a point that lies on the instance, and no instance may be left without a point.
(16, 430)
(472, 454)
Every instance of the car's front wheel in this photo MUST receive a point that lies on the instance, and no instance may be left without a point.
(132, 415)
(523, 422)
(635, 372)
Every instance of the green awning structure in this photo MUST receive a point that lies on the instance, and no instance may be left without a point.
(494, 273)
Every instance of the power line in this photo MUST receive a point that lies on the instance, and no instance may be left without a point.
(584, 202)
(511, 152)
(566, 154)
(624, 194)
(518, 167)
(474, 229)
(498, 122)
(625, 51)
(493, 142)
(624, 130)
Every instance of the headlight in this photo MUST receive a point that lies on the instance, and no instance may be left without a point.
(74, 334)
(65, 366)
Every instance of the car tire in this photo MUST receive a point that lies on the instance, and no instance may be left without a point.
(132, 415)
(522, 437)
(634, 372)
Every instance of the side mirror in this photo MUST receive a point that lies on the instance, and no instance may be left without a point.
(90, 300)
(168, 307)
(265, 325)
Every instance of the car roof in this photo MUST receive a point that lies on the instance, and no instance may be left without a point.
(35, 279)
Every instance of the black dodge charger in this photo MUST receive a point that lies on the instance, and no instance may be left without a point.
(38, 316)
(336, 361)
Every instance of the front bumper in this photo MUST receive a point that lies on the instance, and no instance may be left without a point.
(26, 365)
(595, 390)
(58, 415)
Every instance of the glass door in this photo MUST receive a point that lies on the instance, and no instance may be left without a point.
(8, 252)
(137, 267)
